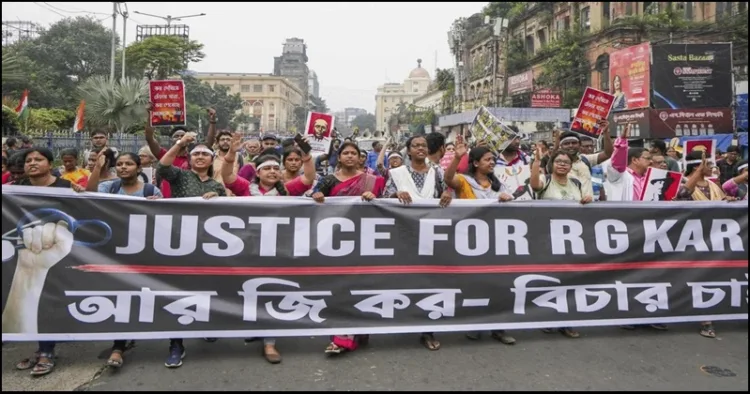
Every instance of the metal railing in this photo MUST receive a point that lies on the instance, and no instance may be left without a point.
(57, 140)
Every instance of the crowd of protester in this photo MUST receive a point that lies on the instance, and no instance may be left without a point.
(424, 167)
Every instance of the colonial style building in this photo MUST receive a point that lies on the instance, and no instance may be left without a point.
(391, 94)
(268, 98)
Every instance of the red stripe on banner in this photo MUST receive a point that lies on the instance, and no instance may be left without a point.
(415, 269)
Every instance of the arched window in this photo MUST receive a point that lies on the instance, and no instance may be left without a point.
(602, 67)
(258, 109)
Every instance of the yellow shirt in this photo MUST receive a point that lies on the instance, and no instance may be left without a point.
(465, 191)
(75, 176)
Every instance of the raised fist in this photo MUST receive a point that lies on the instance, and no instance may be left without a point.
(46, 244)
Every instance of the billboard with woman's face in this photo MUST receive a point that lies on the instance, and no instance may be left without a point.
(629, 75)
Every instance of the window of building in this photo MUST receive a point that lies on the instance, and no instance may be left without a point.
(606, 10)
(271, 88)
(650, 7)
(602, 67)
(530, 44)
(271, 108)
(586, 19)
(723, 9)
(245, 88)
(542, 37)
(741, 7)
(257, 88)
(628, 8)
(566, 23)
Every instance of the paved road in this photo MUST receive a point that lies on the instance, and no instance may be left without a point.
(602, 359)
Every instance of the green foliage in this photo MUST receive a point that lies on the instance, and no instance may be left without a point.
(444, 79)
(116, 105)
(242, 121)
(54, 63)
(565, 67)
(300, 118)
(364, 121)
(12, 71)
(50, 119)
(200, 96)
(319, 105)
(517, 60)
(10, 121)
(160, 57)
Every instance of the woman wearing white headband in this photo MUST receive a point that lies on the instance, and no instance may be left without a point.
(198, 181)
(268, 177)
(737, 186)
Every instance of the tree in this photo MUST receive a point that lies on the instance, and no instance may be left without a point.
(319, 105)
(78, 48)
(241, 121)
(12, 71)
(565, 67)
(200, 96)
(364, 121)
(54, 63)
(444, 79)
(50, 119)
(117, 105)
(10, 121)
(160, 57)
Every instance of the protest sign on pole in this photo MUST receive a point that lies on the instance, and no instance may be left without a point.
(488, 128)
(168, 99)
(594, 107)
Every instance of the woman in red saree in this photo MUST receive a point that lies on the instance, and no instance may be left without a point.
(350, 181)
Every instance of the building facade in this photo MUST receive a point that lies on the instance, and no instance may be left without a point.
(390, 95)
(313, 86)
(267, 98)
(292, 64)
(485, 68)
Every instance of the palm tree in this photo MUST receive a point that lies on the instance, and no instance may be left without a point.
(117, 105)
(11, 69)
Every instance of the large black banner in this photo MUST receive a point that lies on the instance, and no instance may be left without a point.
(692, 75)
(89, 267)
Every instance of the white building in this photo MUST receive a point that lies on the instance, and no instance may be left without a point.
(391, 94)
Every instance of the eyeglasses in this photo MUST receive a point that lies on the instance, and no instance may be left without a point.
(563, 163)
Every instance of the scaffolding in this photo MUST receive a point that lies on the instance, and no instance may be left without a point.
(17, 31)
(144, 31)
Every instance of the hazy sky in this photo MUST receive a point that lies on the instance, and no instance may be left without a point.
(353, 47)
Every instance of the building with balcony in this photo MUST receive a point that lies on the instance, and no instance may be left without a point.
(606, 27)
(390, 95)
(267, 98)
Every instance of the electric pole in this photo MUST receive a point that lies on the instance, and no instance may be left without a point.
(114, 42)
(124, 37)
(169, 18)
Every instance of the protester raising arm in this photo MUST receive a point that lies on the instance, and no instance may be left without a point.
(608, 145)
(450, 172)
(227, 170)
(535, 179)
(308, 168)
(153, 144)
(619, 162)
(211, 136)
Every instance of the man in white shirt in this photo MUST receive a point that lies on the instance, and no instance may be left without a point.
(570, 143)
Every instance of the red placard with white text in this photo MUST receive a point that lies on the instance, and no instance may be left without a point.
(594, 106)
(168, 99)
